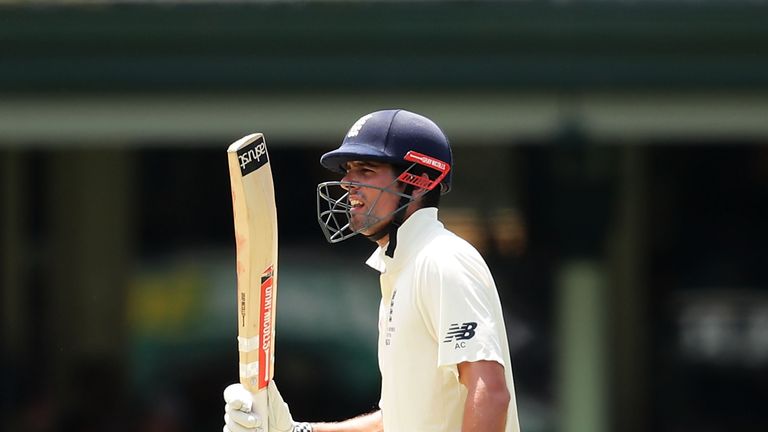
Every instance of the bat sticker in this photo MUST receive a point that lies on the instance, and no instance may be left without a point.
(265, 325)
(253, 156)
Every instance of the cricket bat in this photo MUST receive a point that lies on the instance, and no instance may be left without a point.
(255, 215)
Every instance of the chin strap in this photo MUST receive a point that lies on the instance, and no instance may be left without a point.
(393, 226)
(378, 234)
(398, 220)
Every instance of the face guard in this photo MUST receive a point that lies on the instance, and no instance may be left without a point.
(333, 206)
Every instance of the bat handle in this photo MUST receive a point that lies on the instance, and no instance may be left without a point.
(261, 406)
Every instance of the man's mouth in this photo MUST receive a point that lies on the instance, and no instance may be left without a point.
(356, 204)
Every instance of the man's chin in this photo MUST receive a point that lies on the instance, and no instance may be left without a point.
(367, 225)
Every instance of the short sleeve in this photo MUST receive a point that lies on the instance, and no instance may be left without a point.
(461, 307)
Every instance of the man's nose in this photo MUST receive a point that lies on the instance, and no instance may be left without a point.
(347, 182)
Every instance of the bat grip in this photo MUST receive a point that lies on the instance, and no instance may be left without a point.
(261, 407)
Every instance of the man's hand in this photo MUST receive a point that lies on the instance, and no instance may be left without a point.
(238, 415)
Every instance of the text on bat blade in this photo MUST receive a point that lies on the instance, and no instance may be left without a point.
(252, 154)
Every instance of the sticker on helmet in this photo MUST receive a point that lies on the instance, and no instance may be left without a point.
(429, 162)
(355, 129)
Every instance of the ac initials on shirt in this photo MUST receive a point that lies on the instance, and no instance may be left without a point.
(460, 333)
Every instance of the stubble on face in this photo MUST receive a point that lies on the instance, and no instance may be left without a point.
(372, 207)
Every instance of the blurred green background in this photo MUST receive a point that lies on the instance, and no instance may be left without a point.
(611, 164)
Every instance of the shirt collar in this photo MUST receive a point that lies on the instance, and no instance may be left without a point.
(407, 236)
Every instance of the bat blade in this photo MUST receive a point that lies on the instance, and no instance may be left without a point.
(255, 222)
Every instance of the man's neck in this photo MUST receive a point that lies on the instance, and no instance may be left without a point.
(383, 241)
(412, 208)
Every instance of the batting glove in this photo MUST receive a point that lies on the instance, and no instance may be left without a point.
(238, 415)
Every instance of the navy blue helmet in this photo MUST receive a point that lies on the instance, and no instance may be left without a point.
(413, 144)
(397, 137)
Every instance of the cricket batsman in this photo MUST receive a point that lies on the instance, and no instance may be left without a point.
(442, 345)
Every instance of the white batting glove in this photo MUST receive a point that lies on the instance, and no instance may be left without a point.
(238, 415)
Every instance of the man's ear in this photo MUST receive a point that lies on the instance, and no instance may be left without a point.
(420, 192)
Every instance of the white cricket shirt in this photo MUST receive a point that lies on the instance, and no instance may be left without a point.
(439, 308)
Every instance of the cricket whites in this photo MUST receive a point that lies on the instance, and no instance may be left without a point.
(255, 217)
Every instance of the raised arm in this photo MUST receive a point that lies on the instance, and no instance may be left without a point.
(240, 415)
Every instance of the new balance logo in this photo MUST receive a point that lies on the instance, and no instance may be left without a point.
(461, 332)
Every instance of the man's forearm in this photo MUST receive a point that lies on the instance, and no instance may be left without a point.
(485, 411)
(487, 396)
(365, 423)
